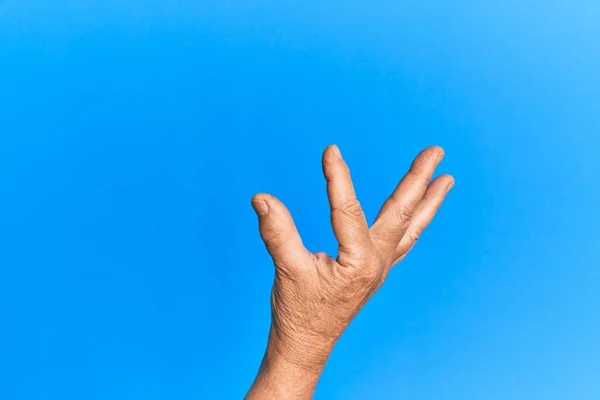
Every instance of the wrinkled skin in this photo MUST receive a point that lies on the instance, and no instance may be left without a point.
(315, 296)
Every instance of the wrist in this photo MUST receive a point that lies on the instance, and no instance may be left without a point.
(305, 352)
(289, 371)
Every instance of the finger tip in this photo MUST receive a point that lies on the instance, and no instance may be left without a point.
(275, 205)
(431, 154)
(260, 204)
(331, 157)
(439, 151)
(259, 197)
(450, 181)
(442, 183)
(332, 150)
(262, 197)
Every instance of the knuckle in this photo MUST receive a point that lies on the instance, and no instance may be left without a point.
(423, 180)
(370, 275)
(402, 213)
(418, 177)
(367, 280)
(360, 280)
(414, 233)
(352, 208)
(354, 256)
(367, 270)
(414, 236)
(276, 235)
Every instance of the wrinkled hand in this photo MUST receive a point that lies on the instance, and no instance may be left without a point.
(315, 296)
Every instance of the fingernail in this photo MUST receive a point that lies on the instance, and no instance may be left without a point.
(336, 151)
(441, 155)
(260, 207)
(450, 186)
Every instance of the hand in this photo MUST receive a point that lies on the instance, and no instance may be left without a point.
(315, 296)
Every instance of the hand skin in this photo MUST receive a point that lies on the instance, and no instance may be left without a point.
(315, 296)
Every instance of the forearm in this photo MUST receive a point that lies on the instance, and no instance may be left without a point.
(278, 379)
(282, 377)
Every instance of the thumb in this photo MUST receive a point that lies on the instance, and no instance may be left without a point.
(278, 231)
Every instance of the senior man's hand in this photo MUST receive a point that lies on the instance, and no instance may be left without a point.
(315, 296)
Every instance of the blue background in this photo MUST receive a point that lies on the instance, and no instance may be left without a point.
(133, 135)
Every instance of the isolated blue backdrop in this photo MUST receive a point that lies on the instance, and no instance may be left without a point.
(133, 135)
